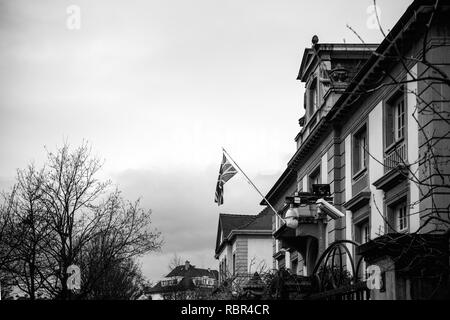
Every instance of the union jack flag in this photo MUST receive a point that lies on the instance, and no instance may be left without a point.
(226, 172)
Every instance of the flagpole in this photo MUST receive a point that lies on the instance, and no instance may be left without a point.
(250, 181)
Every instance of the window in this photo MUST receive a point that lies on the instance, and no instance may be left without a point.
(360, 150)
(278, 222)
(362, 231)
(204, 281)
(401, 217)
(294, 266)
(314, 178)
(170, 282)
(400, 119)
(234, 263)
(365, 233)
(395, 118)
(362, 235)
(398, 214)
(222, 270)
(225, 267)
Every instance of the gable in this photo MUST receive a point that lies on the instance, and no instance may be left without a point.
(242, 223)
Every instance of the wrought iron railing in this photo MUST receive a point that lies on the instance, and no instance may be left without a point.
(396, 156)
(333, 280)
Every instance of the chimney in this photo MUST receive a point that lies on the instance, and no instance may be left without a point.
(187, 265)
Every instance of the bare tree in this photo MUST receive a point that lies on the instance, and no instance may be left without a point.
(232, 283)
(122, 280)
(6, 208)
(175, 261)
(8, 242)
(70, 217)
(123, 235)
(30, 233)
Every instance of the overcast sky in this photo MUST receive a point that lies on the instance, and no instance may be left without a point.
(158, 87)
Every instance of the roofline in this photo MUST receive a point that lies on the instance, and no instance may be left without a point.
(400, 27)
(235, 215)
(287, 173)
(235, 232)
(334, 47)
(384, 45)
(218, 246)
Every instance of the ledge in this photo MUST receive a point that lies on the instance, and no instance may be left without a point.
(392, 178)
(361, 199)
(284, 232)
(359, 174)
(278, 255)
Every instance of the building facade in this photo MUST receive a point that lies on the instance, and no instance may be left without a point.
(243, 245)
(185, 282)
(376, 131)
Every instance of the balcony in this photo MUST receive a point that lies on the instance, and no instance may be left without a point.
(395, 156)
(395, 167)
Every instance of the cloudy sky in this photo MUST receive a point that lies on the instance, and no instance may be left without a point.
(158, 87)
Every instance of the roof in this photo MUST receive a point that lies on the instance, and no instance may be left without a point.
(186, 283)
(262, 221)
(192, 272)
(408, 23)
(230, 224)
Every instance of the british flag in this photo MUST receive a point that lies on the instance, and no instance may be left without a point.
(226, 172)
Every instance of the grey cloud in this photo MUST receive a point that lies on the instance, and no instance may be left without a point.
(183, 208)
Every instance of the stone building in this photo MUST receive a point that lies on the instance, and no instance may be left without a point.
(185, 282)
(376, 131)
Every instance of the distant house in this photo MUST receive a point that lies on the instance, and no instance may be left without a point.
(185, 282)
(243, 244)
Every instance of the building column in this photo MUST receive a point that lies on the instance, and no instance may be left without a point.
(287, 258)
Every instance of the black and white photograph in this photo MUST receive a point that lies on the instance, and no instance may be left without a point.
(227, 155)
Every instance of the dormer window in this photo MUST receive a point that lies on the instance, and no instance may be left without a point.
(169, 282)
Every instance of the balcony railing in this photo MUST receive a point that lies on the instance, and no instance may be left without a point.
(395, 156)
